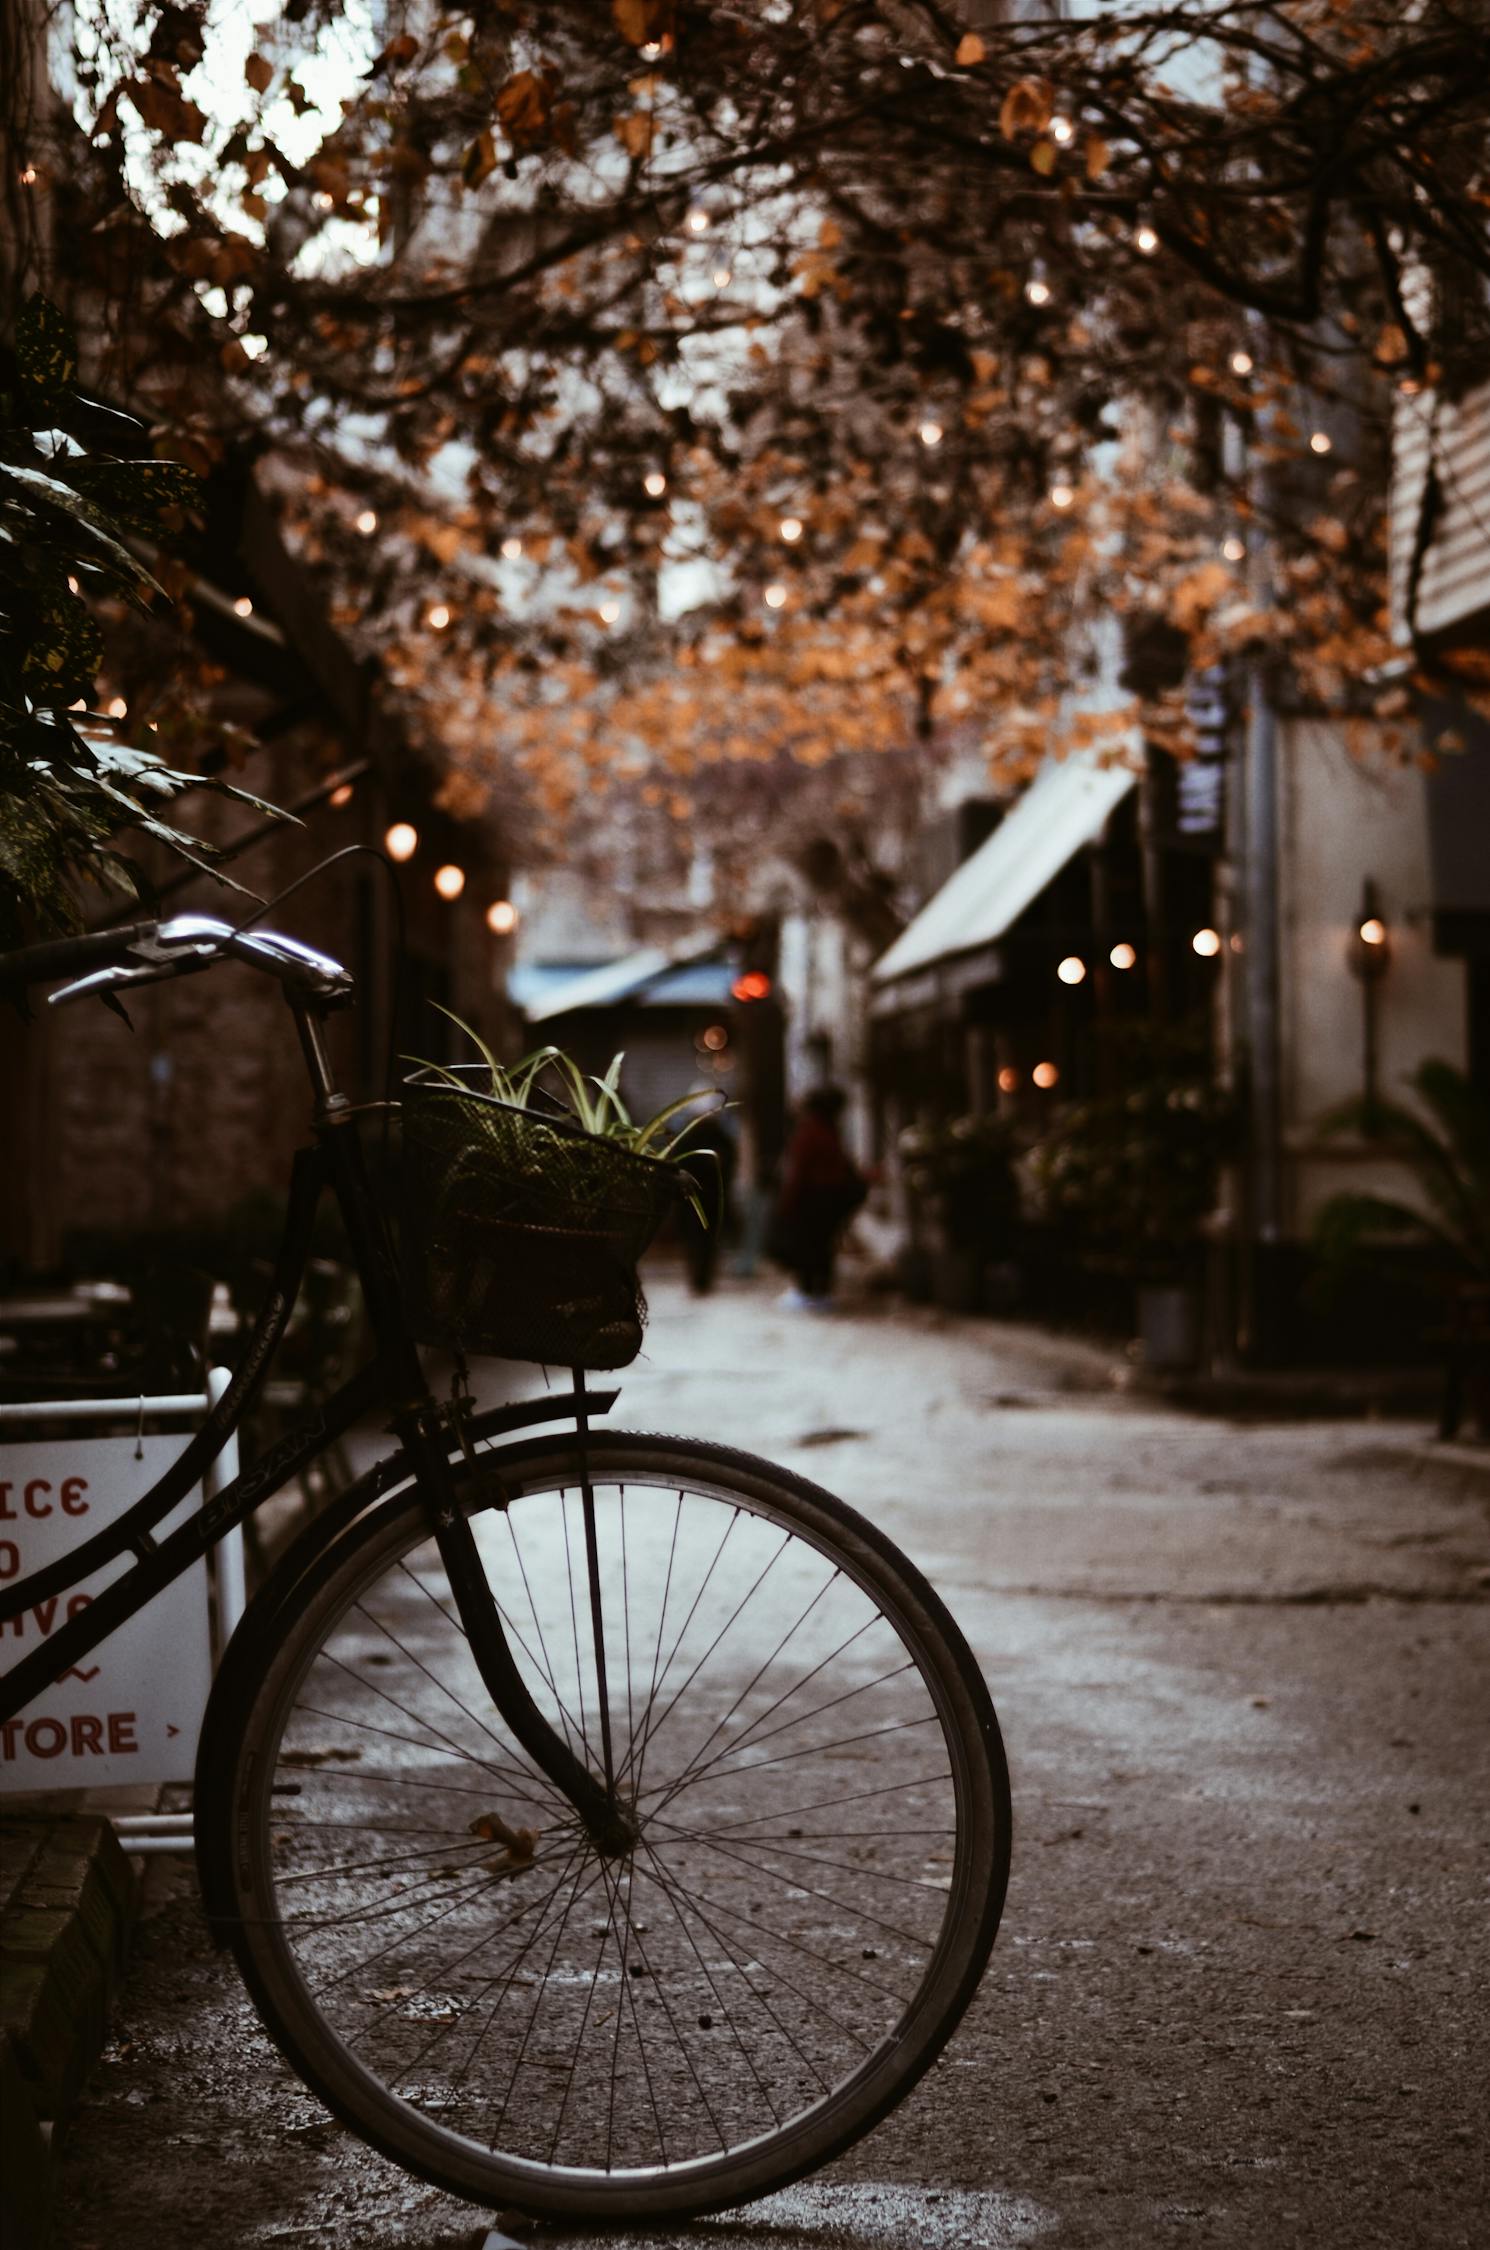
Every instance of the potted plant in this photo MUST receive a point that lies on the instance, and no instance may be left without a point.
(1445, 1150)
(1134, 1173)
(960, 1176)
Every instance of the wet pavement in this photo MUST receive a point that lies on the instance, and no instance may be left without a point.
(1237, 1998)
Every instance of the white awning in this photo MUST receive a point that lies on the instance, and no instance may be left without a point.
(1065, 807)
(684, 978)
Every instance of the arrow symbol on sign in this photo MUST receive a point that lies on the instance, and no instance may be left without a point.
(170, 1730)
(73, 1673)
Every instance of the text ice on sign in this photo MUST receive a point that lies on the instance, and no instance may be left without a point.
(132, 1710)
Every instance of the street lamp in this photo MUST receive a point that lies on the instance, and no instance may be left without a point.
(1370, 957)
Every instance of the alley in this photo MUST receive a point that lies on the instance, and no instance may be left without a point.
(1237, 1998)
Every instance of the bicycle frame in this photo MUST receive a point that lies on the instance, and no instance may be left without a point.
(392, 1381)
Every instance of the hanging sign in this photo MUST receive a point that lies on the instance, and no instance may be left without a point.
(132, 1710)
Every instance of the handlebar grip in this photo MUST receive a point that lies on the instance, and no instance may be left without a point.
(69, 956)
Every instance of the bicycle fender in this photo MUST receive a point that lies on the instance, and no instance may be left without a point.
(246, 1652)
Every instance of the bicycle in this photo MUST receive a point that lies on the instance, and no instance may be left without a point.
(607, 1826)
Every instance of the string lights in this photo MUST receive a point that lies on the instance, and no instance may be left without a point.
(1320, 441)
(1241, 363)
(512, 547)
(401, 841)
(1234, 549)
(1062, 495)
(367, 522)
(775, 597)
(790, 528)
(1207, 943)
(1037, 291)
(1123, 956)
(501, 917)
(450, 881)
(243, 607)
(930, 433)
(610, 610)
(1147, 241)
(654, 484)
(1045, 1076)
(1072, 970)
(439, 617)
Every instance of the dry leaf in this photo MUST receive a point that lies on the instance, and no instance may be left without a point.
(1098, 156)
(640, 22)
(259, 72)
(1042, 156)
(970, 51)
(635, 133)
(1027, 107)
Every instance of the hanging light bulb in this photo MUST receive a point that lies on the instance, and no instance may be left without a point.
(1234, 549)
(1207, 943)
(116, 707)
(775, 597)
(341, 796)
(512, 547)
(1037, 291)
(610, 610)
(722, 277)
(1241, 363)
(1072, 970)
(450, 882)
(790, 528)
(930, 433)
(1062, 495)
(243, 607)
(1123, 956)
(501, 917)
(367, 522)
(1008, 1080)
(654, 483)
(1320, 441)
(697, 221)
(1061, 129)
(439, 617)
(401, 841)
(1045, 1075)
(1147, 241)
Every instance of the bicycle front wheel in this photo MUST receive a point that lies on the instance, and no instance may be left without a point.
(813, 1773)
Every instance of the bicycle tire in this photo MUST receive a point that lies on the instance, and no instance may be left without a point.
(365, 1693)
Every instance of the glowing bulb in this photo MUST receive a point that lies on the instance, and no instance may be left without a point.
(1123, 956)
(650, 49)
(439, 617)
(28, 176)
(1206, 943)
(450, 881)
(722, 277)
(1008, 1080)
(367, 522)
(610, 610)
(501, 917)
(930, 433)
(1045, 1075)
(1147, 241)
(697, 221)
(1038, 292)
(1061, 129)
(341, 796)
(1241, 363)
(775, 597)
(512, 548)
(1062, 495)
(1320, 442)
(116, 707)
(1072, 970)
(323, 201)
(714, 1037)
(1235, 550)
(401, 841)
(790, 528)
(654, 483)
(1373, 931)
(243, 607)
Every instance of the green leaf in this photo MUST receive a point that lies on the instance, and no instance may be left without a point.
(133, 493)
(53, 497)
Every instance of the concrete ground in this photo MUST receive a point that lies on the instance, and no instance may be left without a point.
(1238, 1998)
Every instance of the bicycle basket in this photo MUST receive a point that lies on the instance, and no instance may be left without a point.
(522, 1233)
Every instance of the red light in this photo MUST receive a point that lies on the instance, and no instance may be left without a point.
(754, 985)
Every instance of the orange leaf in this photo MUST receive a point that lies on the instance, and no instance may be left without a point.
(259, 72)
(1098, 156)
(640, 22)
(970, 51)
(1027, 107)
(635, 133)
(1042, 156)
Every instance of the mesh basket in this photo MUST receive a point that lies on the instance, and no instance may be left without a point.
(522, 1232)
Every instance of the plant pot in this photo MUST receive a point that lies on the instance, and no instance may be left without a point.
(1169, 1326)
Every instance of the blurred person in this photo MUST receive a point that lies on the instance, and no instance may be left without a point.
(821, 1189)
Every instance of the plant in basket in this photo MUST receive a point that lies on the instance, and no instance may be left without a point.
(530, 1195)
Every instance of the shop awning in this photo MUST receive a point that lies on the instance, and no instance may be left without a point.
(1065, 807)
(648, 978)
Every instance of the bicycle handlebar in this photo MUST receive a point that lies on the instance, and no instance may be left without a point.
(139, 953)
(69, 956)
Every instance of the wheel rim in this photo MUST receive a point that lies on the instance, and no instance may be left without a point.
(501, 1999)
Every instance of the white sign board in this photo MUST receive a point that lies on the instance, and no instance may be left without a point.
(131, 1711)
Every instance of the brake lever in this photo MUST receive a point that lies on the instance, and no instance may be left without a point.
(103, 983)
